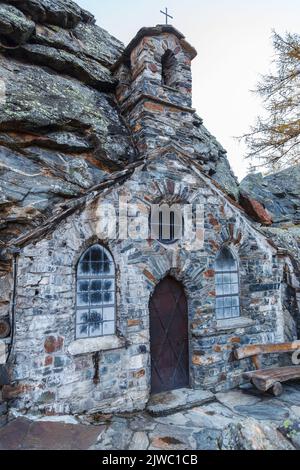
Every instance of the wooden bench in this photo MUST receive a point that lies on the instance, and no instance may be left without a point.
(269, 379)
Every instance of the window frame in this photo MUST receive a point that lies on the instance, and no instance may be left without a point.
(96, 277)
(230, 295)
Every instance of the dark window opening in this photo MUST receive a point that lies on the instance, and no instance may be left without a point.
(169, 65)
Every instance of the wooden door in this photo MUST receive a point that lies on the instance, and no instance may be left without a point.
(169, 337)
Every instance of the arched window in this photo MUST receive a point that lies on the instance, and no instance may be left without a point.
(95, 309)
(168, 63)
(227, 285)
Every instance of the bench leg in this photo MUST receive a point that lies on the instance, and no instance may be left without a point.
(276, 389)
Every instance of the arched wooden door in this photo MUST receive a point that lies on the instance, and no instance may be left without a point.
(169, 337)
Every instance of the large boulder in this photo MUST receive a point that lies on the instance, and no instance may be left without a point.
(60, 128)
(250, 434)
(83, 68)
(87, 40)
(15, 27)
(63, 13)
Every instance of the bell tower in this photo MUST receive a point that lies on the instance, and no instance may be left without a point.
(155, 87)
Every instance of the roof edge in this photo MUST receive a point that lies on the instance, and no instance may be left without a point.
(154, 31)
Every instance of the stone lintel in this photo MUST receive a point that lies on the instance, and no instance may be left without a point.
(128, 106)
(91, 345)
(226, 325)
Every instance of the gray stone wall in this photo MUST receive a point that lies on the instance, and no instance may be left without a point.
(49, 377)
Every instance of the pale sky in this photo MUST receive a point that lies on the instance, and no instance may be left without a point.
(233, 40)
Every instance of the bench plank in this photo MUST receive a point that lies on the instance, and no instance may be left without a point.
(264, 379)
(272, 348)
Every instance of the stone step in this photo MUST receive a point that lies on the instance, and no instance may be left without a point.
(163, 404)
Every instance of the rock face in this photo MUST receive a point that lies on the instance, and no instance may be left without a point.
(274, 201)
(15, 27)
(255, 209)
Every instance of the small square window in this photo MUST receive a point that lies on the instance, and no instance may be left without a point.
(95, 316)
(95, 286)
(82, 331)
(83, 286)
(82, 299)
(220, 313)
(96, 298)
(82, 316)
(108, 298)
(108, 328)
(95, 329)
(108, 314)
(234, 289)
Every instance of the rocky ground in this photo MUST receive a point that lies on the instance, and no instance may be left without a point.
(239, 420)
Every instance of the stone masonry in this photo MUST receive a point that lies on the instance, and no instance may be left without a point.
(54, 375)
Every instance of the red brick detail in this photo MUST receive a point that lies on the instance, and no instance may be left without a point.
(214, 245)
(212, 220)
(48, 361)
(149, 276)
(139, 373)
(53, 344)
(10, 392)
(235, 339)
(133, 322)
(171, 186)
(155, 107)
(153, 68)
(209, 273)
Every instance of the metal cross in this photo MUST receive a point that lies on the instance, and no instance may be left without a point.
(167, 15)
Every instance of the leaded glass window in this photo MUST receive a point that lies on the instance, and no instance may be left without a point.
(227, 285)
(95, 312)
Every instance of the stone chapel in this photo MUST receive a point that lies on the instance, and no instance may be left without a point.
(99, 321)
